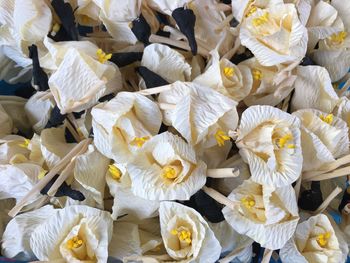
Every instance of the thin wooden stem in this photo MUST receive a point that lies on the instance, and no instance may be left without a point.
(220, 198)
(267, 255)
(334, 174)
(156, 90)
(328, 200)
(223, 172)
(72, 130)
(47, 178)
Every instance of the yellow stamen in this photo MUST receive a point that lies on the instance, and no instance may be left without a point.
(221, 137)
(229, 72)
(248, 202)
(169, 172)
(74, 242)
(327, 119)
(102, 56)
(322, 239)
(139, 141)
(174, 232)
(56, 27)
(24, 144)
(282, 142)
(183, 235)
(42, 174)
(338, 37)
(115, 172)
(260, 20)
(251, 11)
(257, 74)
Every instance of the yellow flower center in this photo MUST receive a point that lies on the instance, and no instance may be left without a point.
(74, 242)
(24, 144)
(183, 235)
(260, 20)
(251, 11)
(229, 72)
(139, 141)
(327, 119)
(169, 172)
(42, 174)
(248, 202)
(338, 37)
(115, 172)
(322, 239)
(56, 27)
(257, 74)
(102, 56)
(221, 137)
(283, 141)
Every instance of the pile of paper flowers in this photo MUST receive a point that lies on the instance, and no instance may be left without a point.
(175, 130)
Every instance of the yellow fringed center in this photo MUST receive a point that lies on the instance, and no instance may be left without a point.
(322, 239)
(251, 11)
(169, 172)
(221, 137)
(25, 144)
(229, 72)
(139, 141)
(260, 20)
(248, 202)
(74, 242)
(327, 119)
(183, 235)
(115, 172)
(283, 141)
(338, 37)
(257, 74)
(102, 56)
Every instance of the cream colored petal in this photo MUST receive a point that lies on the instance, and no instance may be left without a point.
(317, 93)
(166, 62)
(6, 124)
(16, 238)
(343, 8)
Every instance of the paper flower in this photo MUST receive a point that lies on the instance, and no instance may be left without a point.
(267, 215)
(122, 125)
(166, 62)
(200, 113)
(125, 201)
(230, 80)
(274, 35)
(315, 240)
(71, 234)
(266, 88)
(166, 168)
(6, 124)
(324, 138)
(316, 93)
(269, 141)
(186, 235)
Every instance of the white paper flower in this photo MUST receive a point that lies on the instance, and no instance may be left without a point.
(275, 35)
(265, 89)
(38, 110)
(316, 92)
(86, 12)
(166, 62)
(80, 81)
(166, 168)
(123, 124)
(324, 138)
(200, 113)
(315, 240)
(230, 80)
(186, 235)
(269, 141)
(267, 215)
(125, 202)
(14, 149)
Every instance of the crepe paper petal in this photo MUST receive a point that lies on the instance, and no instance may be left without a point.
(66, 15)
(122, 59)
(269, 141)
(316, 93)
(323, 140)
(13, 146)
(54, 146)
(166, 62)
(141, 29)
(152, 80)
(80, 81)
(316, 239)
(89, 171)
(267, 215)
(270, 40)
(343, 11)
(6, 124)
(15, 241)
(50, 240)
(186, 19)
(186, 235)
(311, 199)
(63, 190)
(39, 111)
(336, 62)
(121, 190)
(171, 173)
(87, 13)
(193, 101)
